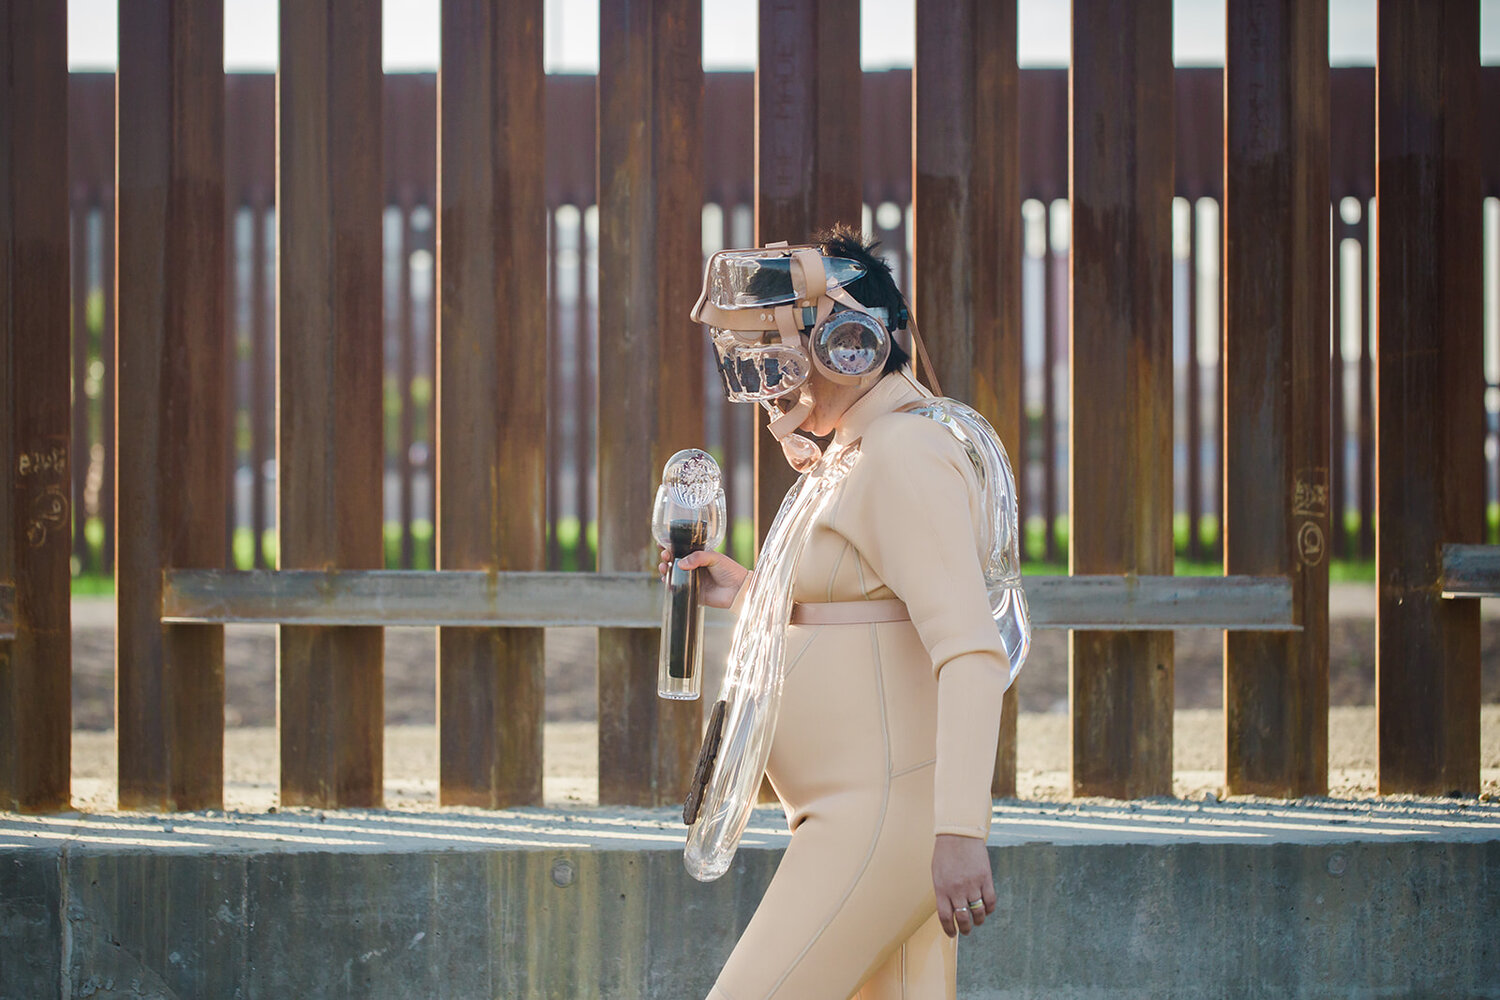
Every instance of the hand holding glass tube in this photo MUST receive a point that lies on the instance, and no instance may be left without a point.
(689, 516)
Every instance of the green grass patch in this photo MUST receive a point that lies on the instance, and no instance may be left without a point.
(421, 544)
(1208, 533)
(244, 548)
(93, 584)
(93, 533)
(1351, 571)
(1035, 535)
(569, 538)
(742, 541)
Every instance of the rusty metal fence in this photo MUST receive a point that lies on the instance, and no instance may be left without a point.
(1065, 238)
(573, 315)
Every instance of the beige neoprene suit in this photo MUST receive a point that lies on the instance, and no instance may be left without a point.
(887, 732)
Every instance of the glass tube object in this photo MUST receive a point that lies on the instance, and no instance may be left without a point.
(688, 516)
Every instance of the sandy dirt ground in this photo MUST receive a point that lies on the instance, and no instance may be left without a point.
(570, 743)
(570, 775)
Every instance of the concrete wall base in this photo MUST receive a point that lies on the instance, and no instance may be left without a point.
(1372, 917)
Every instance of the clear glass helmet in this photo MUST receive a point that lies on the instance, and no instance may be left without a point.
(758, 302)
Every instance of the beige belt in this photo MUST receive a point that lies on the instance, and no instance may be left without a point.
(850, 612)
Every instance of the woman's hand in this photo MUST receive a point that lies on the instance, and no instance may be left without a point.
(720, 581)
(961, 878)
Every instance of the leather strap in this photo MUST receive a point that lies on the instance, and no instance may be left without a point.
(807, 275)
(748, 321)
(786, 326)
(839, 294)
(850, 612)
(928, 371)
(789, 421)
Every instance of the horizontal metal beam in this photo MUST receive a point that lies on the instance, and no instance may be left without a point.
(1155, 603)
(7, 611)
(633, 600)
(1471, 570)
(405, 597)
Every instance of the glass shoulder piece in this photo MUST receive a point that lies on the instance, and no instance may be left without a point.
(999, 536)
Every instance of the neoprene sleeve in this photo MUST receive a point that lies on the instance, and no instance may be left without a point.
(910, 509)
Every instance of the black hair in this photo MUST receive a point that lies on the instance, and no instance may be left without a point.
(876, 289)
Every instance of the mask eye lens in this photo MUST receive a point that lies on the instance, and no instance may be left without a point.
(852, 344)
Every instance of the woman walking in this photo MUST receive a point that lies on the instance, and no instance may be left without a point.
(894, 669)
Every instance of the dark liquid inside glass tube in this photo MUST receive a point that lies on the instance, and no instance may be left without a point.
(682, 594)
